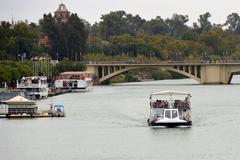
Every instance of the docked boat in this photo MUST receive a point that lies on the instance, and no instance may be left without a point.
(170, 108)
(74, 81)
(20, 107)
(57, 110)
(35, 86)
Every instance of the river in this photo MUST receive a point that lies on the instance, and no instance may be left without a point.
(109, 123)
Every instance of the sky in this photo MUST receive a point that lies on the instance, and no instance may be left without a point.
(91, 10)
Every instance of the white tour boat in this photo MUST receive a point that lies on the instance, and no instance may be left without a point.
(74, 81)
(35, 86)
(170, 108)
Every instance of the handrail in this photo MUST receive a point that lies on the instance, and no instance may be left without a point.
(166, 62)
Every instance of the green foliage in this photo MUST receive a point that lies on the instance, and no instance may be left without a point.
(16, 40)
(236, 56)
(67, 39)
(118, 79)
(177, 25)
(67, 65)
(11, 71)
(129, 77)
(205, 24)
(118, 23)
(156, 26)
(233, 23)
(122, 36)
(214, 57)
(159, 75)
(169, 39)
(119, 36)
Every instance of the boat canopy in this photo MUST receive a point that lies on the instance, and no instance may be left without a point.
(58, 105)
(170, 93)
(19, 100)
(35, 77)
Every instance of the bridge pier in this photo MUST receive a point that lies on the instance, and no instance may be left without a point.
(215, 74)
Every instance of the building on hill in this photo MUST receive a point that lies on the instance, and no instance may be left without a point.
(43, 41)
(62, 13)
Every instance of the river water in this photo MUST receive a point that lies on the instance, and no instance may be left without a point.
(109, 123)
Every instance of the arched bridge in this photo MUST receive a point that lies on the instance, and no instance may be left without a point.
(203, 72)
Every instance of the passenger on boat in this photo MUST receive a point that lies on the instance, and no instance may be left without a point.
(186, 103)
(165, 104)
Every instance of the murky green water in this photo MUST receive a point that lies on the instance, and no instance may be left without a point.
(109, 123)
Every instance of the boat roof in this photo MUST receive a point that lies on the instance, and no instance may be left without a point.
(35, 77)
(19, 100)
(58, 104)
(170, 93)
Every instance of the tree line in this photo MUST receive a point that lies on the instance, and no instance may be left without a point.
(120, 34)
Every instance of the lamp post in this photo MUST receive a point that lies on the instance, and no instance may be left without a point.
(204, 56)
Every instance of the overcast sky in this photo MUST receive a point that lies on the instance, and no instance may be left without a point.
(91, 10)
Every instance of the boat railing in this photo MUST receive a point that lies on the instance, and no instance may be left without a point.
(31, 85)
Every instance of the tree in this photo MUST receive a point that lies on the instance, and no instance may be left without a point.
(118, 23)
(205, 24)
(16, 40)
(67, 39)
(177, 25)
(25, 37)
(233, 23)
(156, 26)
(214, 42)
(66, 65)
(7, 42)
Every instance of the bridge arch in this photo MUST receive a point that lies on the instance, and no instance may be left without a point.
(113, 74)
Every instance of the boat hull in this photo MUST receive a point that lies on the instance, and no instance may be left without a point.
(172, 124)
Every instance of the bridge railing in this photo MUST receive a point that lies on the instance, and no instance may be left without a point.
(166, 62)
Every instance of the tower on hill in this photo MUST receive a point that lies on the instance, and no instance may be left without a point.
(62, 13)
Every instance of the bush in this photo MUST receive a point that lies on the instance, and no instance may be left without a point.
(66, 65)
(11, 71)
(131, 78)
(159, 75)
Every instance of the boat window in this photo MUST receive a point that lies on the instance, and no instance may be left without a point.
(168, 114)
(174, 114)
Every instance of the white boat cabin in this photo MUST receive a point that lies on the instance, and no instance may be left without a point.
(74, 81)
(35, 86)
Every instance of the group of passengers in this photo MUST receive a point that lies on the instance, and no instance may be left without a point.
(182, 104)
(160, 104)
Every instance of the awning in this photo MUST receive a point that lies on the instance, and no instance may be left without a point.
(170, 93)
(19, 100)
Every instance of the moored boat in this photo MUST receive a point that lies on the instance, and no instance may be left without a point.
(57, 110)
(74, 81)
(170, 108)
(35, 86)
(20, 107)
